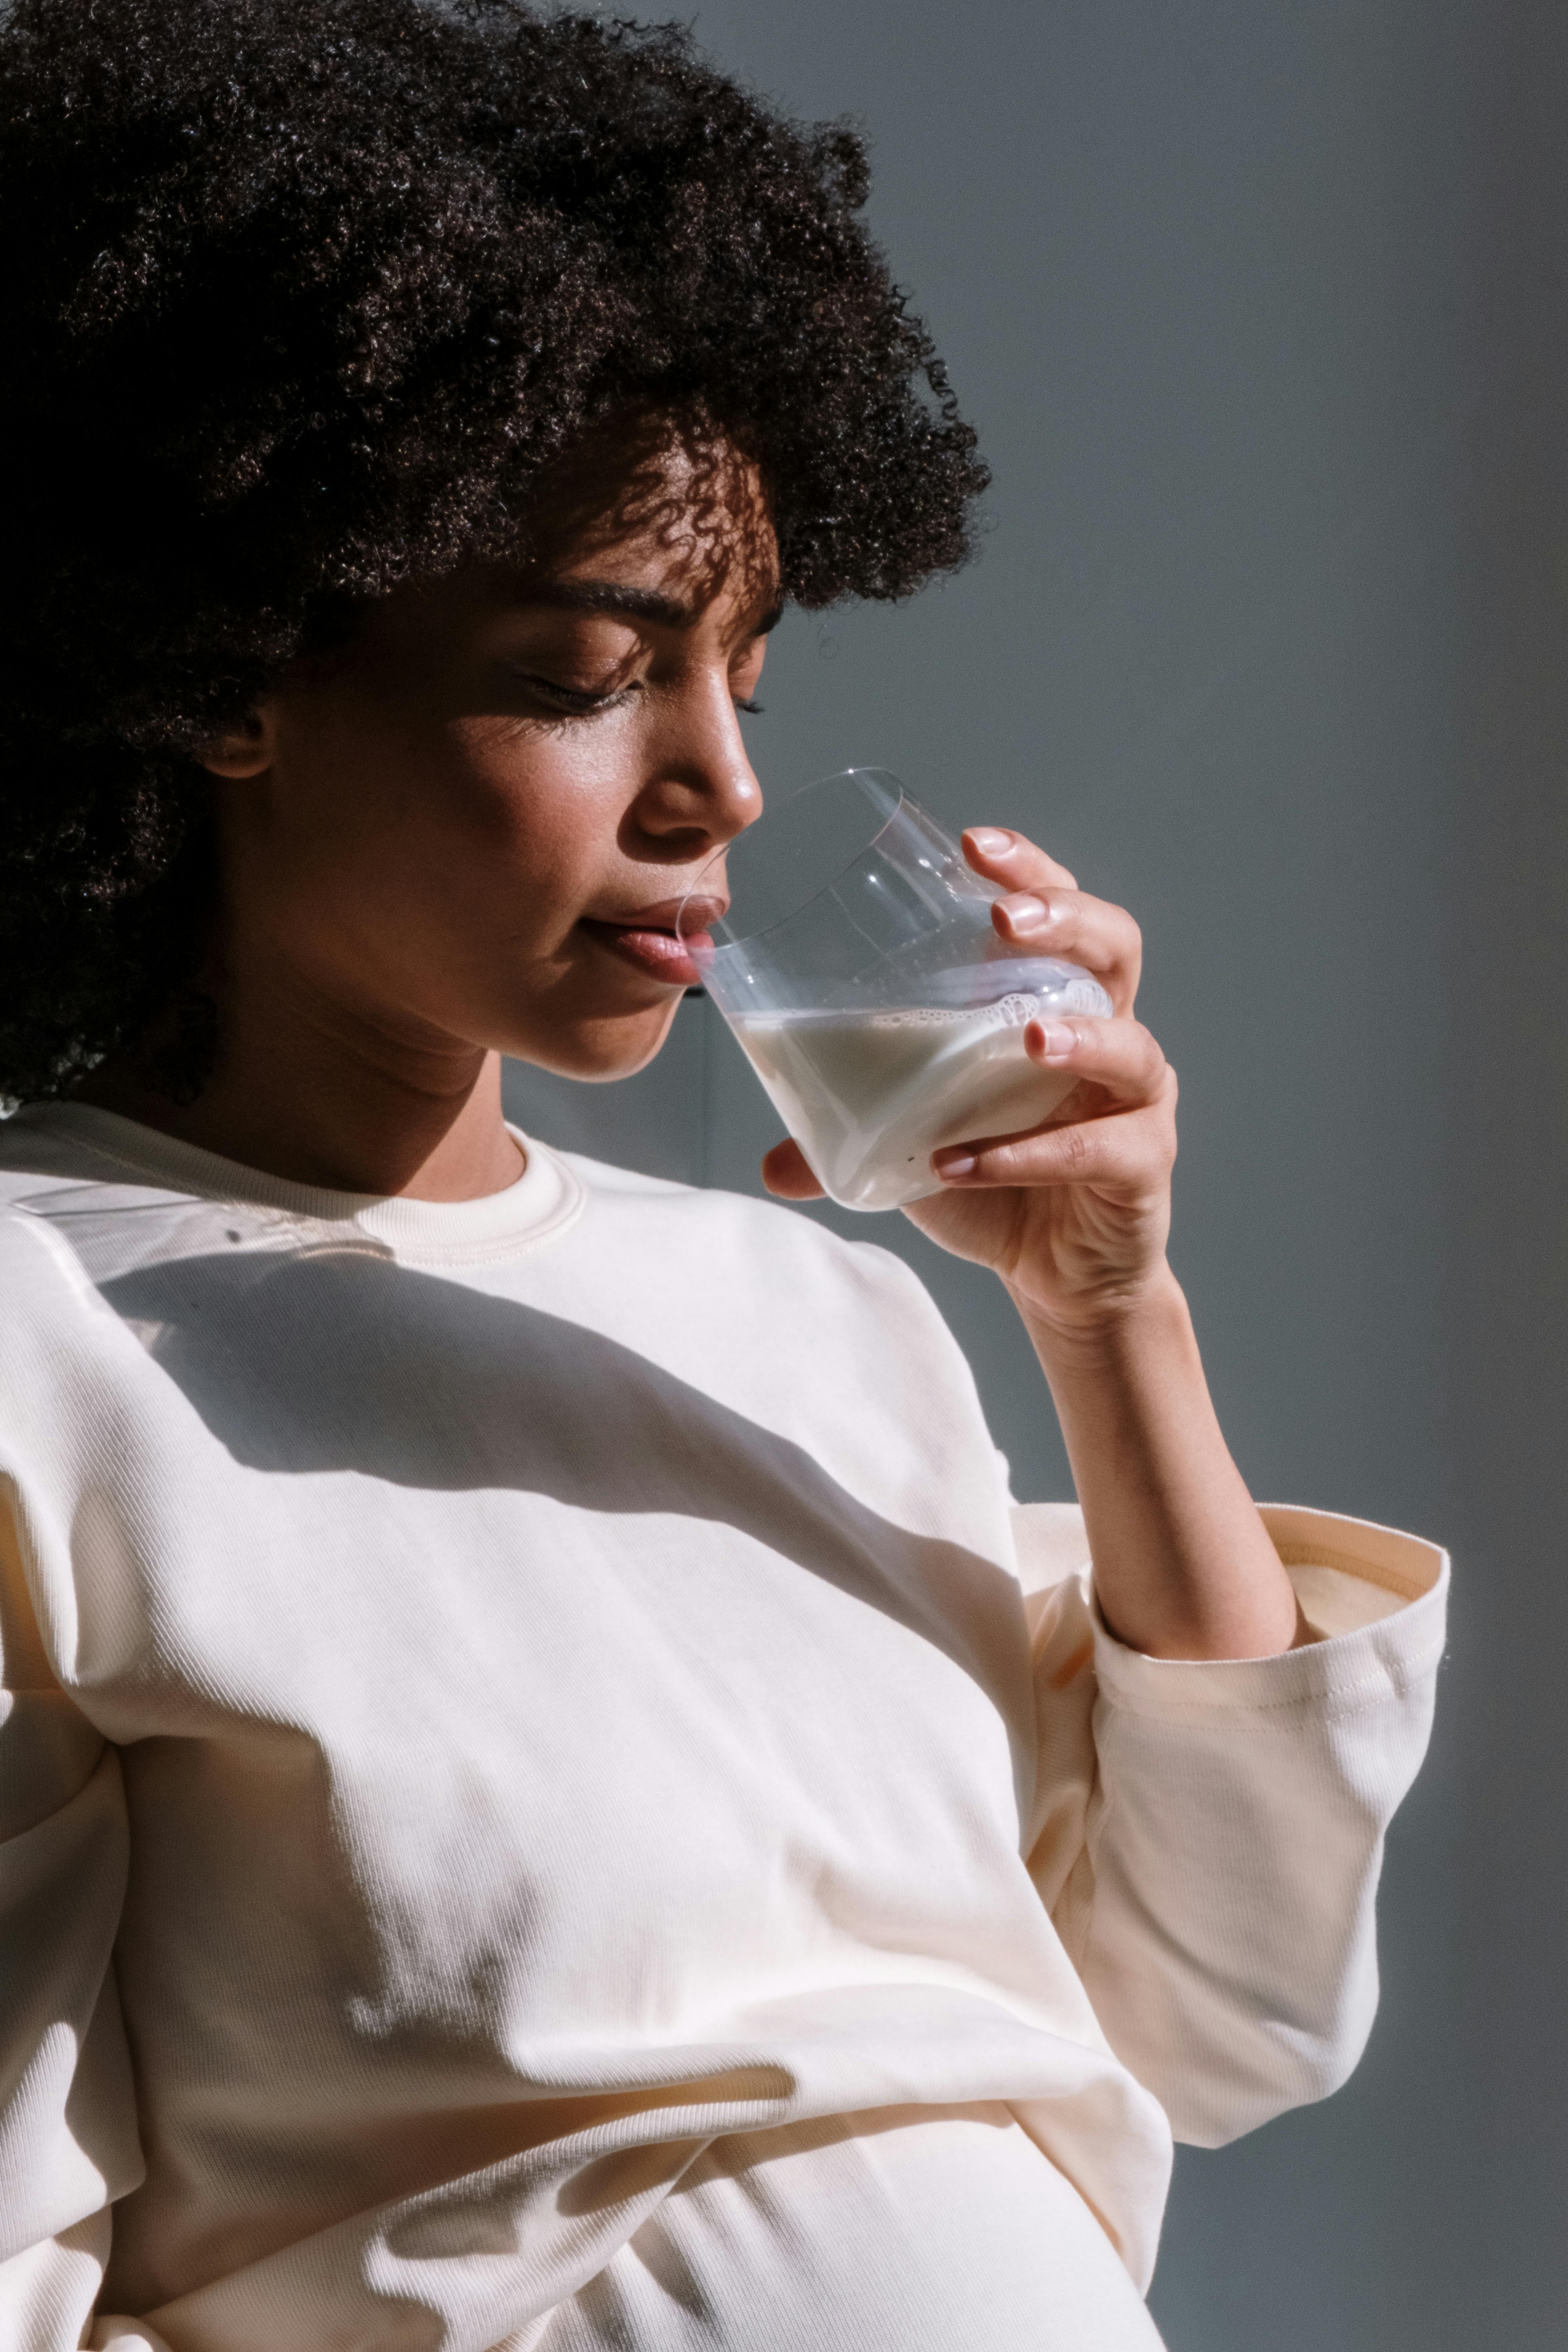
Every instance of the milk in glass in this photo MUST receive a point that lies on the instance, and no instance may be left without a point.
(869, 1096)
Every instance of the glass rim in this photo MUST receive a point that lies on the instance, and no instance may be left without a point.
(902, 798)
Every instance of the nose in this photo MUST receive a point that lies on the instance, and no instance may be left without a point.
(701, 789)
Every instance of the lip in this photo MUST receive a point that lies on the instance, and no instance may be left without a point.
(646, 939)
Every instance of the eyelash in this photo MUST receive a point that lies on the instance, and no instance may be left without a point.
(580, 703)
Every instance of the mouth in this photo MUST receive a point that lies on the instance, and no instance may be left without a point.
(648, 940)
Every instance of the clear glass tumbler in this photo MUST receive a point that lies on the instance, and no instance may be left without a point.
(856, 961)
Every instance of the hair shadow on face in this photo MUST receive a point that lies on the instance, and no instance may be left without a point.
(342, 1359)
(672, 480)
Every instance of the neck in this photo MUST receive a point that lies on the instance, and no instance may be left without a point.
(318, 1097)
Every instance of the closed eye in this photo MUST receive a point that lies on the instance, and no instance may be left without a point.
(580, 700)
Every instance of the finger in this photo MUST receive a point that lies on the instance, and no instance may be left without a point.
(1129, 1154)
(1120, 1055)
(1012, 860)
(1090, 932)
(787, 1175)
(1043, 911)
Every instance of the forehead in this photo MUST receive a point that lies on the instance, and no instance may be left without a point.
(677, 536)
(684, 514)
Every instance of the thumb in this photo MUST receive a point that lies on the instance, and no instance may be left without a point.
(786, 1173)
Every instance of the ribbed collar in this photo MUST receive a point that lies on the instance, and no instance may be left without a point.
(546, 1198)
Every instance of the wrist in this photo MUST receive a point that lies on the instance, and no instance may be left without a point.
(1183, 1566)
(1101, 1334)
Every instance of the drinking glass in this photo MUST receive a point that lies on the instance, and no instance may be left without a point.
(856, 963)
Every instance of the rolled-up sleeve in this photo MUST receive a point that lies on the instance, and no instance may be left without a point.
(1208, 1835)
(68, 2143)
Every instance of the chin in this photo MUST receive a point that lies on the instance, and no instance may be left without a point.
(599, 1050)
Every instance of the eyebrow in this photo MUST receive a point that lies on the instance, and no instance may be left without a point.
(616, 596)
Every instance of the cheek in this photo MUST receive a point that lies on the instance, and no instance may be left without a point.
(544, 805)
(401, 810)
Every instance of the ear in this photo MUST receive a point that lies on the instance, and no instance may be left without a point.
(245, 751)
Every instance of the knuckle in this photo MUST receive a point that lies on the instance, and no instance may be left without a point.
(1157, 1138)
(996, 1165)
(1144, 1058)
(1075, 1152)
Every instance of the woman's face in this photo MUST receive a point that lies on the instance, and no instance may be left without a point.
(474, 826)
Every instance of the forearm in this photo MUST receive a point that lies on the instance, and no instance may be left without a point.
(1183, 1566)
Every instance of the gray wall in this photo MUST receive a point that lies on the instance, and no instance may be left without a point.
(1260, 308)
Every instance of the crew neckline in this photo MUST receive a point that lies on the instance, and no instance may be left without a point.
(546, 1198)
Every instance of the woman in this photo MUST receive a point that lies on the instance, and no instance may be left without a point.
(556, 1801)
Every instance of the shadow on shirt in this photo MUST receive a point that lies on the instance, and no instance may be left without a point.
(339, 1359)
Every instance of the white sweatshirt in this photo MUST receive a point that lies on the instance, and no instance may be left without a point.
(551, 1798)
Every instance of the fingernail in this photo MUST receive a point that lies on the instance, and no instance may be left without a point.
(950, 1164)
(989, 840)
(1025, 913)
(1057, 1040)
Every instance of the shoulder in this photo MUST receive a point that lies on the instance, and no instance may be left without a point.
(41, 1155)
(63, 1207)
(765, 1285)
(769, 1240)
(33, 1191)
(835, 1344)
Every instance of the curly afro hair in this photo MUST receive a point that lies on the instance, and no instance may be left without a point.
(301, 297)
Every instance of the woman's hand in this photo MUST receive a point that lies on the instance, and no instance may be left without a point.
(1073, 1214)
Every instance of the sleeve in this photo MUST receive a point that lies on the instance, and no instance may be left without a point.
(1207, 1836)
(68, 2143)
